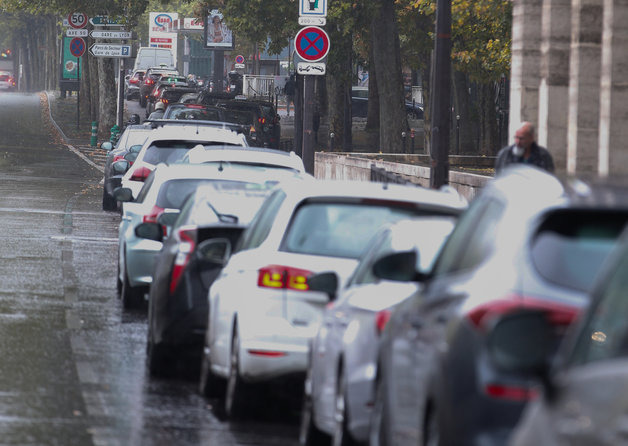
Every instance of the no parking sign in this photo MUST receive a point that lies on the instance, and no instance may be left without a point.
(311, 43)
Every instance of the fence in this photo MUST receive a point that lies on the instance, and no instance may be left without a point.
(258, 86)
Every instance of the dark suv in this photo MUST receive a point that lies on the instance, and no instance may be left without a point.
(267, 127)
(529, 241)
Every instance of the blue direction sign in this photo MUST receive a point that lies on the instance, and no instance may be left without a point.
(311, 43)
(77, 47)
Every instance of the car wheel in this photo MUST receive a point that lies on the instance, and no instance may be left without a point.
(341, 434)
(108, 202)
(309, 434)
(159, 360)
(119, 282)
(431, 432)
(210, 385)
(131, 296)
(235, 393)
(379, 427)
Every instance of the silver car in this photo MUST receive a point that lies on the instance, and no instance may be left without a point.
(339, 383)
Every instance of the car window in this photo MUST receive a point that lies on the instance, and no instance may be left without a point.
(262, 223)
(604, 334)
(167, 151)
(379, 246)
(571, 245)
(337, 229)
(472, 239)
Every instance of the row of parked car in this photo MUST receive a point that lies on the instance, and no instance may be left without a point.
(258, 118)
(401, 315)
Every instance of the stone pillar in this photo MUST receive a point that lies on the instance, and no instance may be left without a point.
(613, 138)
(554, 88)
(584, 86)
(525, 64)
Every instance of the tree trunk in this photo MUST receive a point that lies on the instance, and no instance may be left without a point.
(387, 61)
(107, 85)
(372, 117)
(92, 84)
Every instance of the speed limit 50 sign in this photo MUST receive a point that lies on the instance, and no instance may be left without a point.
(77, 20)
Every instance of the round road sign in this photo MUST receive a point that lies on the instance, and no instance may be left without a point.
(77, 20)
(239, 59)
(311, 43)
(77, 47)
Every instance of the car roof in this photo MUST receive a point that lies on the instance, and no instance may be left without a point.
(203, 154)
(184, 130)
(346, 189)
(164, 172)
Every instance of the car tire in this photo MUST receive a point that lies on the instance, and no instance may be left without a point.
(431, 431)
(159, 360)
(210, 385)
(108, 202)
(309, 434)
(379, 425)
(235, 392)
(131, 296)
(341, 436)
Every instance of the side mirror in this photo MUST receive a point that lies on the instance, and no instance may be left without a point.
(106, 146)
(168, 217)
(120, 167)
(123, 194)
(399, 267)
(131, 157)
(215, 251)
(521, 342)
(150, 231)
(326, 282)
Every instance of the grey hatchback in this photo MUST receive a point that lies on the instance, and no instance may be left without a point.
(529, 240)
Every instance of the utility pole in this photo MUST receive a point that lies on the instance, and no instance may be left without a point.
(441, 93)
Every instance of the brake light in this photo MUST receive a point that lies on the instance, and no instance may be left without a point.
(511, 393)
(117, 158)
(149, 82)
(186, 236)
(141, 174)
(267, 353)
(381, 319)
(558, 314)
(156, 93)
(151, 217)
(261, 120)
(133, 81)
(283, 277)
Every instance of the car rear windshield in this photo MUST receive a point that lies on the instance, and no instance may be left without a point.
(193, 113)
(173, 193)
(167, 151)
(571, 245)
(336, 229)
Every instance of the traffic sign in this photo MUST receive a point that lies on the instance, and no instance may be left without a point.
(239, 59)
(110, 50)
(77, 20)
(76, 32)
(111, 34)
(311, 68)
(77, 47)
(316, 8)
(311, 44)
(312, 21)
(103, 20)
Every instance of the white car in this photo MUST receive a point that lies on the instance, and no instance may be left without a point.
(169, 144)
(342, 365)
(262, 317)
(261, 157)
(166, 189)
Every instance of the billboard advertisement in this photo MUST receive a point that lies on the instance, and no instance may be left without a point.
(217, 35)
(161, 32)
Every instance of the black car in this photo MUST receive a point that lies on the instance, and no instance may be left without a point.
(266, 119)
(185, 268)
(168, 89)
(529, 241)
(151, 77)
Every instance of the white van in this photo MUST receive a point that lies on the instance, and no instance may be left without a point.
(153, 57)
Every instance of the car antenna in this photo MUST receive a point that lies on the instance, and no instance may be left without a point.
(220, 168)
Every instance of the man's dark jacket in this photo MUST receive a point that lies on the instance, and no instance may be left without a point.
(539, 156)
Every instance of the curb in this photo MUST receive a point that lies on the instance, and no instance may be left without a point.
(65, 138)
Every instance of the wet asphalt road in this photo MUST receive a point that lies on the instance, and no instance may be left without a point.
(72, 368)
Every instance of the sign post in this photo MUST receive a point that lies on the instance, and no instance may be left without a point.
(77, 49)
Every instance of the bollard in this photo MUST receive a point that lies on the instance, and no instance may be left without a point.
(405, 147)
(94, 138)
(331, 142)
(115, 131)
(412, 141)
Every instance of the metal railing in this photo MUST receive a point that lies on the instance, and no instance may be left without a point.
(258, 86)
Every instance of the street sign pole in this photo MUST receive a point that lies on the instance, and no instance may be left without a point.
(309, 139)
(78, 92)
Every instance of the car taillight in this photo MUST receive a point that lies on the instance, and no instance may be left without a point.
(133, 81)
(261, 120)
(151, 217)
(558, 314)
(156, 93)
(149, 82)
(186, 236)
(381, 319)
(117, 158)
(141, 174)
(283, 277)
(511, 393)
